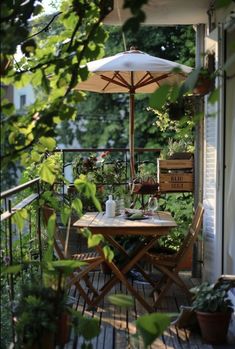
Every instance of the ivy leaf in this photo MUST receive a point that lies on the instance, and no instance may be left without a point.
(46, 174)
(151, 326)
(159, 97)
(108, 253)
(48, 142)
(96, 203)
(88, 328)
(65, 214)
(214, 96)
(77, 205)
(94, 240)
(69, 265)
(19, 218)
(121, 300)
(48, 256)
(190, 82)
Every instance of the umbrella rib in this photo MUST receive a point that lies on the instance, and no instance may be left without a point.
(111, 80)
(143, 77)
(151, 80)
(121, 78)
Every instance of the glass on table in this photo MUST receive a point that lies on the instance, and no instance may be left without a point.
(152, 205)
(121, 203)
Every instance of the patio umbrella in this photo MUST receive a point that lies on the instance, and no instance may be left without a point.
(132, 72)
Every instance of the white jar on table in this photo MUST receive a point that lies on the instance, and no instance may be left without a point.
(110, 207)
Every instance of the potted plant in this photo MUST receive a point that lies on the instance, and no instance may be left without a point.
(39, 315)
(146, 180)
(213, 310)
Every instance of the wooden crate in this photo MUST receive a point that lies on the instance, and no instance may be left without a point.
(175, 164)
(176, 175)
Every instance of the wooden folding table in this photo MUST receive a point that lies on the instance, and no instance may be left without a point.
(150, 230)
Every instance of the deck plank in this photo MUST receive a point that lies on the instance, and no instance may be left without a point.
(117, 324)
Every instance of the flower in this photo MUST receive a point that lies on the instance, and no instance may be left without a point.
(104, 154)
(100, 169)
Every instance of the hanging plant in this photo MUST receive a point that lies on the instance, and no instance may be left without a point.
(206, 79)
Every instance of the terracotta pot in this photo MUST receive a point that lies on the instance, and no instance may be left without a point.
(214, 326)
(145, 188)
(204, 86)
(47, 213)
(186, 264)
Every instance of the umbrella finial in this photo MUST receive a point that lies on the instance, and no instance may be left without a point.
(133, 48)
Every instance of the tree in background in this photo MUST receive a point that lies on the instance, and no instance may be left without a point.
(52, 64)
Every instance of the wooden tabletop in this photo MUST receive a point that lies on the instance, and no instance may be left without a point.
(98, 223)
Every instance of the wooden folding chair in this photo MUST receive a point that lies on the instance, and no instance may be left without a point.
(91, 259)
(169, 265)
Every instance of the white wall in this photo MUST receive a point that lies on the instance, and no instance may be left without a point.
(229, 172)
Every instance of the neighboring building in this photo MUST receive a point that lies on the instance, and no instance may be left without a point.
(20, 97)
(215, 155)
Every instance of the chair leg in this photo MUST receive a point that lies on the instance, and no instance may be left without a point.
(159, 283)
(169, 276)
(163, 292)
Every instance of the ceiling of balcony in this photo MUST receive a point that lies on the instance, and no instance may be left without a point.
(164, 12)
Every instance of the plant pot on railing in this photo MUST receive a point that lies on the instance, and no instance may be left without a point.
(145, 188)
(205, 83)
(47, 212)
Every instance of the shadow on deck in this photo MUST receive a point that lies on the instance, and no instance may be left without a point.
(117, 325)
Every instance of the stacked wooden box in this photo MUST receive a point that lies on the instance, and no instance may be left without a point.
(175, 175)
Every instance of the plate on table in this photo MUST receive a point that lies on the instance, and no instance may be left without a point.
(136, 217)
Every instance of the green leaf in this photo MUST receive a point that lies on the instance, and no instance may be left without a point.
(121, 300)
(19, 218)
(48, 255)
(88, 328)
(159, 97)
(214, 96)
(108, 253)
(51, 226)
(48, 142)
(46, 174)
(94, 240)
(96, 203)
(65, 214)
(12, 269)
(70, 265)
(77, 205)
(151, 326)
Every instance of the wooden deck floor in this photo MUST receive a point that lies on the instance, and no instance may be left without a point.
(117, 325)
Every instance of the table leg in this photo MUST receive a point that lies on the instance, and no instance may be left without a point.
(119, 275)
(138, 267)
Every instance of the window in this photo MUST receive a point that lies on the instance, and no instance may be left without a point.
(22, 101)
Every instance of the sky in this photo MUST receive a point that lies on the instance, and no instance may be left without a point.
(47, 5)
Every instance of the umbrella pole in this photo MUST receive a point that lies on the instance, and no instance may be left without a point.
(131, 136)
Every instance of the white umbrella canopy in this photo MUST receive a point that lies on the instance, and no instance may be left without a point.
(132, 72)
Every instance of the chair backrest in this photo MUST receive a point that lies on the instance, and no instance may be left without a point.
(192, 234)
